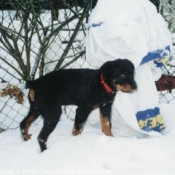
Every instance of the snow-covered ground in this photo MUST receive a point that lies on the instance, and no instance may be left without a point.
(91, 152)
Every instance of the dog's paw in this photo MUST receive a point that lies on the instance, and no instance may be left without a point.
(25, 136)
(108, 133)
(76, 132)
(42, 144)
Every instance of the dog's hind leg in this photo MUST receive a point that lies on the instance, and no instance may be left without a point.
(82, 114)
(50, 121)
(26, 122)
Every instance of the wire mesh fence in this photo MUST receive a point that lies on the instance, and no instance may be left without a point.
(39, 36)
(167, 10)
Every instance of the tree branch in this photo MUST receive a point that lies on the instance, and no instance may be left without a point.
(58, 65)
(76, 58)
(44, 46)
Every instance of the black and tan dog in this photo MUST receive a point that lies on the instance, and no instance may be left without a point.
(86, 88)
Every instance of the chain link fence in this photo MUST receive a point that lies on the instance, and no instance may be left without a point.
(167, 10)
(39, 36)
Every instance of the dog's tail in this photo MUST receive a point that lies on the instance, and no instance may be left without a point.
(29, 84)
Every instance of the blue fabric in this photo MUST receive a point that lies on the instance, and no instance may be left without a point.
(158, 56)
(150, 120)
(95, 25)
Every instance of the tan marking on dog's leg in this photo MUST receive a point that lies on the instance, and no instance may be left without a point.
(105, 124)
(32, 95)
(76, 132)
(26, 129)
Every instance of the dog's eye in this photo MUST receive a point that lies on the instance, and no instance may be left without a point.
(122, 76)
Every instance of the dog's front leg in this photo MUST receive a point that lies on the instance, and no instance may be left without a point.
(82, 113)
(105, 117)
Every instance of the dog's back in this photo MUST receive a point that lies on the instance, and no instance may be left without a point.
(64, 84)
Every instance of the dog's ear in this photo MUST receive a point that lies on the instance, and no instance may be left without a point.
(109, 67)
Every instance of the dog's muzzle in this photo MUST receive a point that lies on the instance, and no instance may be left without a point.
(127, 88)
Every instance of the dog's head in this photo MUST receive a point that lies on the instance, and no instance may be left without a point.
(119, 75)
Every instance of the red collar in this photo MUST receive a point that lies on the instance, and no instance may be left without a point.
(108, 89)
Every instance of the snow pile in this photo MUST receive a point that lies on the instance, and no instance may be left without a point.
(126, 29)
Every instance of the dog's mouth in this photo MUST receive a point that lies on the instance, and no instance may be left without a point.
(127, 88)
(125, 84)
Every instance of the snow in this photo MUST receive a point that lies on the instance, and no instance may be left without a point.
(137, 30)
(91, 152)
